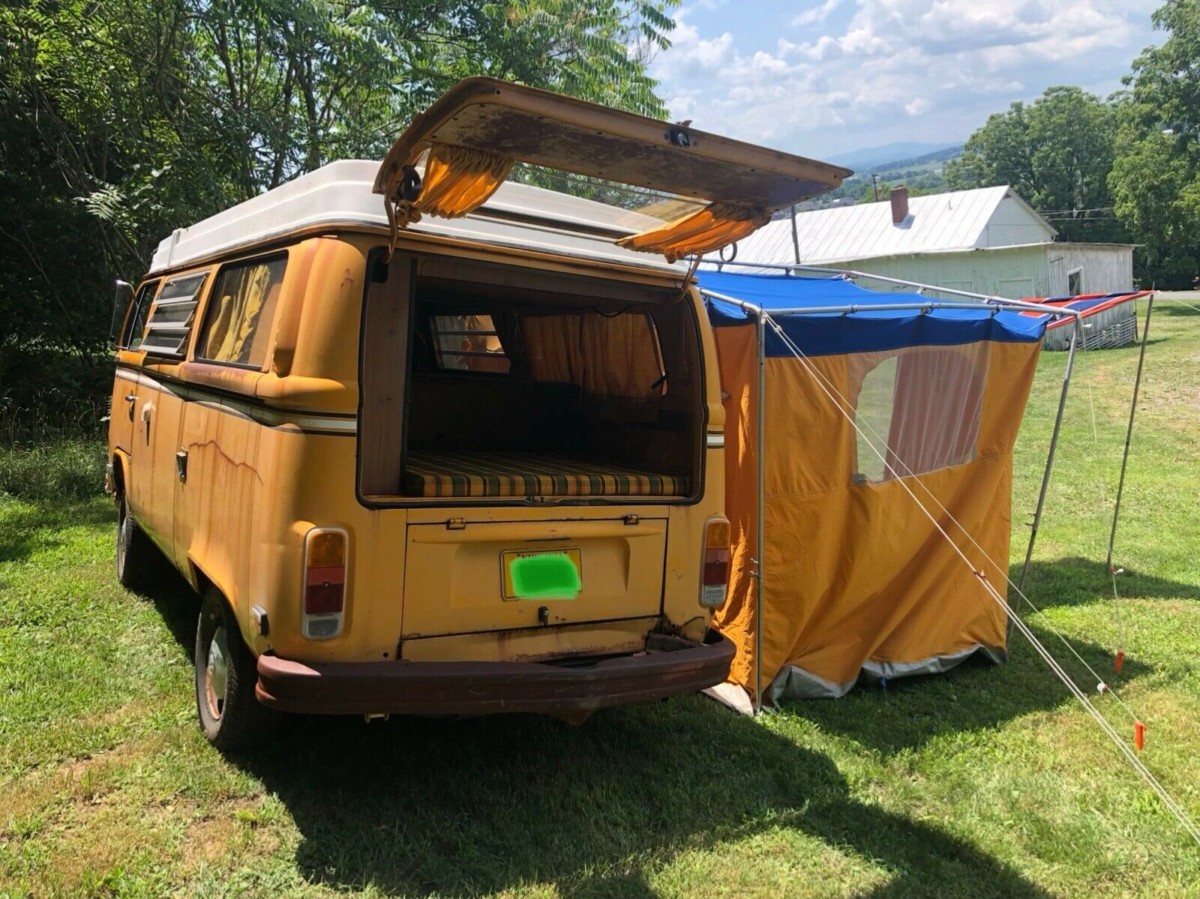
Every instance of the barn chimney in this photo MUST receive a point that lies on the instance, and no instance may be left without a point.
(899, 204)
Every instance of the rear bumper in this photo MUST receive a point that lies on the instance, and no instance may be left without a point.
(485, 688)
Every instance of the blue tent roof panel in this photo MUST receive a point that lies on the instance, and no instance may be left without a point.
(864, 330)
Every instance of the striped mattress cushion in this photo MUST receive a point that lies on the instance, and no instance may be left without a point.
(524, 474)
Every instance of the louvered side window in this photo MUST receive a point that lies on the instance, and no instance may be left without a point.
(171, 318)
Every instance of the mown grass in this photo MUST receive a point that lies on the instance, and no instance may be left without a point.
(983, 782)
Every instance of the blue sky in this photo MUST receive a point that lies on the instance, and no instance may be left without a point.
(824, 77)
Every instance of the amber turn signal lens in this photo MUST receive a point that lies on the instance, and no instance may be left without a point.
(717, 536)
(326, 550)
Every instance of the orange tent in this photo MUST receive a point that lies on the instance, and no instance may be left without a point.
(876, 408)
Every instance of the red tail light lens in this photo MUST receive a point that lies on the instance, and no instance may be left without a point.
(715, 576)
(324, 592)
(325, 553)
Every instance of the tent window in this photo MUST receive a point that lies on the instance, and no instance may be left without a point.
(241, 312)
(873, 416)
(921, 408)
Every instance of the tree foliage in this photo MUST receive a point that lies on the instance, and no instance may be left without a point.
(123, 119)
(1056, 153)
(1155, 179)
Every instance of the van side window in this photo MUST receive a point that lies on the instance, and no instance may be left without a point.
(241, 311)
(468, 343)
(135, 326)
(171, 316)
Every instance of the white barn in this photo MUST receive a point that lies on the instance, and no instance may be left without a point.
(987, 241)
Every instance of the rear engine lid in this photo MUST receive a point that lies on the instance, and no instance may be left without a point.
(463, 578)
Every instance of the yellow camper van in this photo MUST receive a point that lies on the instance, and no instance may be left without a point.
(431, 443)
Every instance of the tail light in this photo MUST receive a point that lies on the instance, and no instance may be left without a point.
(325, 553)
(716, 563)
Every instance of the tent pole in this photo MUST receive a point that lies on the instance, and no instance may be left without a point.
(1137, 384)
(761, 516)
(1037, 515)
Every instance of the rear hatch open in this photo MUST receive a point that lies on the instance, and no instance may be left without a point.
(476, 131)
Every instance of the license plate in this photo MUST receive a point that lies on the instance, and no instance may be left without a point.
(542, 575)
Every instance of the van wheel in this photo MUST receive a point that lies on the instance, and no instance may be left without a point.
(231, 716)
(141, 566)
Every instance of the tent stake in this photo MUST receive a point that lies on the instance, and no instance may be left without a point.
(1137, 384)
(761, 514)
(1037, 515)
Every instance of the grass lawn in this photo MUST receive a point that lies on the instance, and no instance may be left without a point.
(984, 782)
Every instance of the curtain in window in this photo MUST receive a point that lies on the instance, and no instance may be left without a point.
(939, 403)
(457, 180)
(921, 407)
(708, 229)
(241, 296)
(606, 355)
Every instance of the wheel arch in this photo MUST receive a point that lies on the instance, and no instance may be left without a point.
(202, 581)
(120, 464)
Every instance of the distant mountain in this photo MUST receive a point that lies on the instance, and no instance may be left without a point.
(891, 155)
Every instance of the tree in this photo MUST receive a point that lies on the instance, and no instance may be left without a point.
(1155, 180)
(1056, 154)
(121, 120)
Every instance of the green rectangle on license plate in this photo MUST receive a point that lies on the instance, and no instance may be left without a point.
(542, 575)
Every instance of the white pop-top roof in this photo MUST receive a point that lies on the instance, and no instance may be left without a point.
(960, 220)
(340, 194)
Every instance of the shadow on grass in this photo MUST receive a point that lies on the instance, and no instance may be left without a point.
(975, 696)
(1074, 580)
(416, 807)
(179, 606)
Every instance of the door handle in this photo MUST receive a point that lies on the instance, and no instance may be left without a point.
(147, 411)
(181, 458)
(131, 398)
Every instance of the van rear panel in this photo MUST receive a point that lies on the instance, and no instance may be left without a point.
(460, 579)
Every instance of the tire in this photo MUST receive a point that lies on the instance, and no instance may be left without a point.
(141, 566)
(230, 715)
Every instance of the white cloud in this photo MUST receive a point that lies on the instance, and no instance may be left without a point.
(689, 49)
(816, 15)
(851, 73)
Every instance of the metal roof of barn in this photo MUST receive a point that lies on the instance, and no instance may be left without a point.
(946, 222)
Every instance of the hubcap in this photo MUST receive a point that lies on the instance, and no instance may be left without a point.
(216, 672)
(121, 538)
